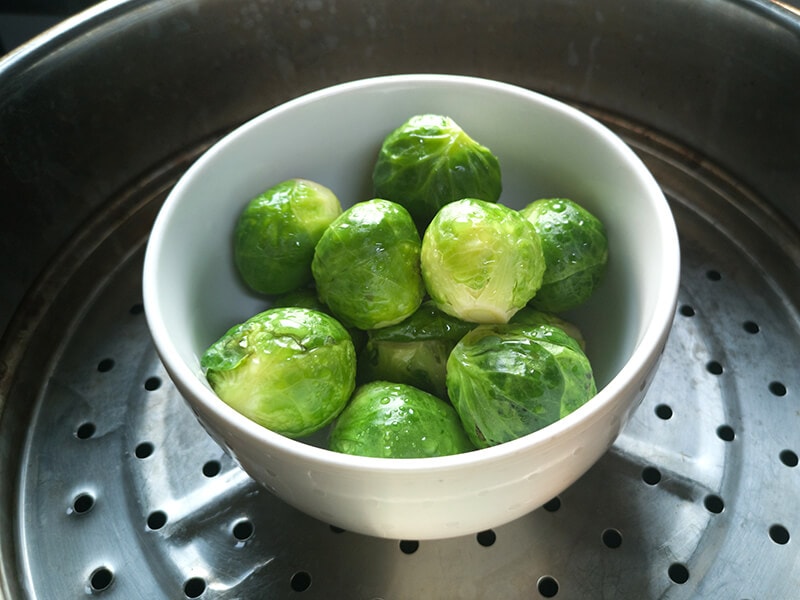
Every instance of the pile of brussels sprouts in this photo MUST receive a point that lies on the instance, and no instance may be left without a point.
(422, 322)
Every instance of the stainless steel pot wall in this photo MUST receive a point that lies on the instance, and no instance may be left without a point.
(100, 116)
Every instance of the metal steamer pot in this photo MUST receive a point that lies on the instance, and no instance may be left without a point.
(108, 486)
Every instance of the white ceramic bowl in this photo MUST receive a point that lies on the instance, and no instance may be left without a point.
(546, 149)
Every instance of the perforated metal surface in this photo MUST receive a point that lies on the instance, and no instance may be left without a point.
(123, 495)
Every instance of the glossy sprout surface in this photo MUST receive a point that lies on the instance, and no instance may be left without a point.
(391, 420)
(575, 250)
(430, 161)
(291, 370)
(366, 265)
(276, 233)
(506, 381)
(481, 261)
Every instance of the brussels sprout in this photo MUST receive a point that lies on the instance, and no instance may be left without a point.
(392, 420)
(366, 265)
(534, 317)
(575, 251)
(276, 233)
(481, 262)
(414, 351)
(430, 161)
(291, 370)
(506, 381)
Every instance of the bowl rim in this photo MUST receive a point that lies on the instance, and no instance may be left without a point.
(645, 352)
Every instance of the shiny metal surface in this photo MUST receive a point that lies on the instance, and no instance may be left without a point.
(108, 486)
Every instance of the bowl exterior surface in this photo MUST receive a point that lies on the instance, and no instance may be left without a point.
(546, 149)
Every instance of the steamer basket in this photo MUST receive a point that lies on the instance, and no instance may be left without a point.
(109, 487)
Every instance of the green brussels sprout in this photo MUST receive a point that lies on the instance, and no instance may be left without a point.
(366, 265)
(481, 262)
(393, 420)
(534, 317)
(509, 380)
(414, 351)
(276, 233)
(291, 370)
(430, 161)
(575, 250)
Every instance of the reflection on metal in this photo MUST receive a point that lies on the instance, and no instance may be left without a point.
(789, 7)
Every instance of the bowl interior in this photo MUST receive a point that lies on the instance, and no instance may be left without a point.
(546, 149)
